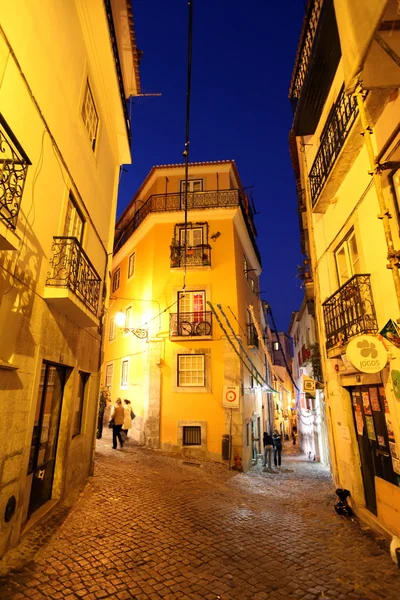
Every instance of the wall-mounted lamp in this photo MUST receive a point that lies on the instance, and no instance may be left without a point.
(215, 236)
(120, 319)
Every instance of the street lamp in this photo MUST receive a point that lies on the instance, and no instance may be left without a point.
(120, 319)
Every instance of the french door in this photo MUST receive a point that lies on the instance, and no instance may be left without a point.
(42, 457)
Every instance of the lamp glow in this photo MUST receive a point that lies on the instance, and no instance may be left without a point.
(120, 318)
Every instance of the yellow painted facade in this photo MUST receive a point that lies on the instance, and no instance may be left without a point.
(346, 160)
(222, 267)
(63, 137)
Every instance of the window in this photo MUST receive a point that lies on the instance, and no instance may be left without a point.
(194, 185)
(14, 167)
(347, 259)
(253, 285)
(125, 374)
(247, 434)
(192, 302)
(73, 226)
(131, 265)
(89, 116)
(79, 402)
(111, 330)
(191, 370)
(191, 435)
(109, 375)
(128, 317)
(116, 279)
(194, 237)
(245, 267)
(276, 345)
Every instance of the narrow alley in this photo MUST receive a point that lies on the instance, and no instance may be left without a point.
(149, 526)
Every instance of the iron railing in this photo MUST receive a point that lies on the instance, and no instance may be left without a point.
(350, 311)
(193, 256)
(305, 49)
(13, 169)
(72, 269)
(195, 200)
(252, 336)
(343, 114)
(197, 323)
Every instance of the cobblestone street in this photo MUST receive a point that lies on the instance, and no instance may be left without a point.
(149, 526)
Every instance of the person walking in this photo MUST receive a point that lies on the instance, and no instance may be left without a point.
(117, 415)
(277, 441)
(129, 415)
(268, 445)
(294, 435)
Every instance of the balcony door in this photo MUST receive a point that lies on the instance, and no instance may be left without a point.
(347, 259)
(42, 459)
(191, 313)
(370, 410)
(194, 186)
(73, 226)
(194, 237)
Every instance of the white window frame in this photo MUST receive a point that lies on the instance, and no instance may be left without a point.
(74, 221)
(131, 264)
(275, 346)
(192, 183)
(182, 358)
(109, 374)
(128, 318)
(245, 267)
(90, 116)
(124, 374)
(190, 236)
(111, 329)
(353, 267)
(116, 280)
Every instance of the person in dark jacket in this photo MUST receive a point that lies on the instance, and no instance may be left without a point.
(277, 441)
(268, 445)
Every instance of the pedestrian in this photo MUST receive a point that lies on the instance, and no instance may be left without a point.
(129, 415)
(268, 445)
(104, 398)
(294, 435)
(277, 441)
(117, 416)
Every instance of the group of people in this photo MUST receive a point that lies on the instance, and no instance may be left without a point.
(272, 442)
(121, 419)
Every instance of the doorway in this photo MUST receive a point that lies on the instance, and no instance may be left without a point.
(369, 405)
(42, 459)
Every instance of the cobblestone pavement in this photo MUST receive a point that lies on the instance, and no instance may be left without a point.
(150, 526)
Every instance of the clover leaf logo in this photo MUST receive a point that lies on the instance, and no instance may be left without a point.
(367, 349)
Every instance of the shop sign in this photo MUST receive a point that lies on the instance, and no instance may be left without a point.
(391, 332)
(367, 354)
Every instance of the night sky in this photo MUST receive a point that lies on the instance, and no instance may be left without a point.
(243, 56)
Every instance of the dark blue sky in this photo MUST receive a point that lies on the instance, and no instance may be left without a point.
(243, 56)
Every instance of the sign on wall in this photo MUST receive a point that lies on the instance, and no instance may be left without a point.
(367, 354)
(230, 396)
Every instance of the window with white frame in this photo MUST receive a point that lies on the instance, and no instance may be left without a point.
(191, 370)
(245, 267)
(90, 116)
(125, 374)
(347, 259)
(73, 226)
(131, 264)
(194, 236)
(128, 317)
(111, 329)
(109, 375)
(253, 285)
(116, 280)
(192, 302)
(194, 185)
(276, 345)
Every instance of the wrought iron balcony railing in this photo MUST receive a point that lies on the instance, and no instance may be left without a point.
(343, 114)
(194, 256)
(196, 200)
(13, 169)
(350, 311)
(305, 49)
(252, 336)
(197, 323)
(72, 269)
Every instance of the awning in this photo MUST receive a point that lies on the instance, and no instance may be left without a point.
(369, 34)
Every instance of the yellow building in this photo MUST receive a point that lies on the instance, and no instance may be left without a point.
(345, 152)
(180, 357)
(65, 73)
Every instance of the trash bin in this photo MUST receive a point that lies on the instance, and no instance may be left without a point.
(226, 442)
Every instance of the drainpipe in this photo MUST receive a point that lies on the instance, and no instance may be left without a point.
(393, 255)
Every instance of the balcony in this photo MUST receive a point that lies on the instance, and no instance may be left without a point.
(193, 257)
(190, 324)
(73, 285)
(195, 201)
(317, 59)
(349, 312)
(304, 355)
(339, 123)
(13, 170)
(252, 336)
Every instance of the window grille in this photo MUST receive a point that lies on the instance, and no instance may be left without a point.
(192, 435)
